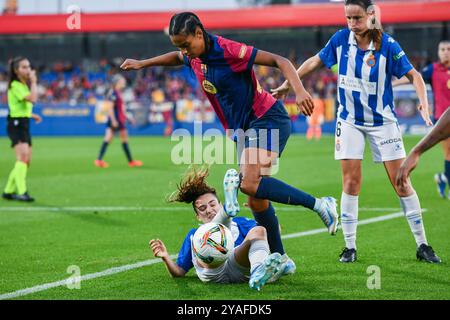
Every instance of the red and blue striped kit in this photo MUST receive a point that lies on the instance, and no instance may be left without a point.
(226, 75)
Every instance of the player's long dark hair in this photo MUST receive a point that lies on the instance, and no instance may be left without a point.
(186, 23)
(192, 185)
(376, 32)
(13, 65)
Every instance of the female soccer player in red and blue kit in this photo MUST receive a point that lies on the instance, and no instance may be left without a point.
(224, 68)
(117, 119)
(438, 74)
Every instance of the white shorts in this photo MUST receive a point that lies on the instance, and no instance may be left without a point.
(229, 272)
(385, 141)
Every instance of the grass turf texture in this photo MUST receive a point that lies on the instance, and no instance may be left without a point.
(37, 247)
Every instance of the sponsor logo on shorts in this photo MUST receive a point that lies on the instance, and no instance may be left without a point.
(338, 145)
(398, 147)
(389, 141)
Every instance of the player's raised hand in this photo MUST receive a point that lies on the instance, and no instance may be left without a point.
(280, 92)
(158, 248)
(131, 64)
(304, 103)
(425, 114)
(32, 76)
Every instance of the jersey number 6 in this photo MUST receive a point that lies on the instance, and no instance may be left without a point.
(338, 129)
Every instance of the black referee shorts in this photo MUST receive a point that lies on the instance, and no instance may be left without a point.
(19, 131)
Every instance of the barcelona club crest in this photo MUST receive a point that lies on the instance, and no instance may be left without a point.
(209, 87)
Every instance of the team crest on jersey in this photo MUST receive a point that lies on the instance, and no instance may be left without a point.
(209, 87)
(371, 61)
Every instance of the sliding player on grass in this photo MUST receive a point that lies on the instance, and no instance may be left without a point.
(251, 259)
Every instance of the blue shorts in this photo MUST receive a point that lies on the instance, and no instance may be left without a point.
(270, 132)
(121, 125)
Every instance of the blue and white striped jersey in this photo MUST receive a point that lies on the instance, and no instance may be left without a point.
(364, 84)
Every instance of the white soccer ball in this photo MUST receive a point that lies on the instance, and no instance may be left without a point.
(212, 243)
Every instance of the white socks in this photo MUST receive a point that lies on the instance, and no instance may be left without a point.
(258, 252)
(223, 218)
(413, 213)
(349, 219)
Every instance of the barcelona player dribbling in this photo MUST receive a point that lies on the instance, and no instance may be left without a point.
(224, 68)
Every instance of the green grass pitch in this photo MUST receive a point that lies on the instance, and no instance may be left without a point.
(98, 219)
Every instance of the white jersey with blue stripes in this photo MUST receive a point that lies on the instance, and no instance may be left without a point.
(364, 88)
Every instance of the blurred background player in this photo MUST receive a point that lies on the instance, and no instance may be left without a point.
(367, 59)
(117, 119)
(316, 119)
(241, 104)
(20, 102)
(251, 259)
(438, 75)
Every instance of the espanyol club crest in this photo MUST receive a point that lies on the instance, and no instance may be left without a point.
(338, 145)
(371, 61)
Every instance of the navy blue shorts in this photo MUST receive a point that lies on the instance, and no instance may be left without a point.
(270, 132)
(121, 125)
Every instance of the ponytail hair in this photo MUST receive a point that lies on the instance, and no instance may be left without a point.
(13, 65)
(375, 29)
(186, 23)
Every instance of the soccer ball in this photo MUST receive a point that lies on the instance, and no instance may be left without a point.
(212, 244)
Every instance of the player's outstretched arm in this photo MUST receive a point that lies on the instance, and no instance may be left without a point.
(398, 82)
(173, 58)
(303, 98)
(416, 79)
(440, 132)
(306, 68)
(160, 251)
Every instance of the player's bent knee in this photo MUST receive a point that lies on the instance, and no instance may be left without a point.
(248, 186)
(257, 233)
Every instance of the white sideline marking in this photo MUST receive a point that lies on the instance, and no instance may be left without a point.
(141, 264)
(149, 209)
(89, 276)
